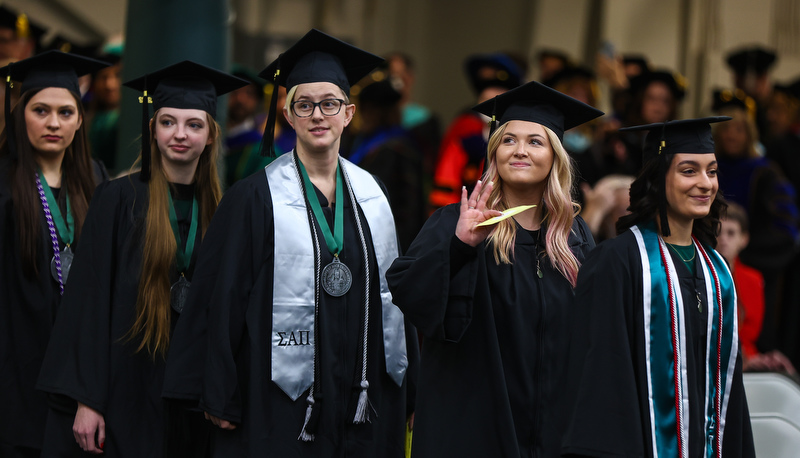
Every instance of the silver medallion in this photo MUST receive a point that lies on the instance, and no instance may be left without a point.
(178, 293)
(66, 263)
(336, 278)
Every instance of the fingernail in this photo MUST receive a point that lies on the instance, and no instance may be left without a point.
(102, 444)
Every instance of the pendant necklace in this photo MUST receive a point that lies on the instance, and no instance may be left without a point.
(61, 262)
(694, 275)
(179, 290)
(336, 276)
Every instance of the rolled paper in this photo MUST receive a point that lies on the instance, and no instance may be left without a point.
(506, 214)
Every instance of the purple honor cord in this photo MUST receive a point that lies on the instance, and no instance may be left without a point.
(53, 234)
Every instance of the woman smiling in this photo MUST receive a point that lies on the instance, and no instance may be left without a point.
(655, 343)
(493, 302)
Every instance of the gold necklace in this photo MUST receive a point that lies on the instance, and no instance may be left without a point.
(694, 252)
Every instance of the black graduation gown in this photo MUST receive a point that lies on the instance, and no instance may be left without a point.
(27, 312)
(90, 359)
(495, 337)
(226, 332)
(608, 370)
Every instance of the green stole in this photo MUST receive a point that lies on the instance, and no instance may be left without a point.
(666, 345)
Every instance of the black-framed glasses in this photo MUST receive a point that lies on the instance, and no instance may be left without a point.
(328, 107)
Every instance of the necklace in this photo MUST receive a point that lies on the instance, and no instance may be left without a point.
(694, 252)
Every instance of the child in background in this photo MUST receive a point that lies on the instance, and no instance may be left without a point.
(732, 239)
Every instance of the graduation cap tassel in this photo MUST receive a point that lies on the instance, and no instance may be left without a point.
(145, 100)
(662, 200)
(493, 121)
(492, 127)
(362, 413)
(10, 137)
(268, 139)
(305, 435)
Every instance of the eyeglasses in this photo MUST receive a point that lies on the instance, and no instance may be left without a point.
(328, 107)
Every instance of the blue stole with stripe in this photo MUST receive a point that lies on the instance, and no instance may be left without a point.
(666, 345)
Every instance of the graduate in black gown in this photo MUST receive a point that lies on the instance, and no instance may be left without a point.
(494, 303)
(47, 178)
(655, 368)
(129, 282)
(290, 341)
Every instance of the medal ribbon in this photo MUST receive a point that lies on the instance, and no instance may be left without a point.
(183, 257)
(335, 241)
(53, 236)
(66, 229)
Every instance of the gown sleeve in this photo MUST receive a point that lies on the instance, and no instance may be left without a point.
(201, 364)
(602, 379)
(76, 363)
(434, 283)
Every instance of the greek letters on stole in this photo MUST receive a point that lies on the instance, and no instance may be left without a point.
(292, 345)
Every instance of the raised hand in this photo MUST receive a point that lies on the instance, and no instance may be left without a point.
(473, 212)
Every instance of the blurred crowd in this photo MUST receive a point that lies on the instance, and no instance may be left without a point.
(424, 164)
(758, 151)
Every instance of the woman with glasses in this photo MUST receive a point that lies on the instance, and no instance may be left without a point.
(290, 340)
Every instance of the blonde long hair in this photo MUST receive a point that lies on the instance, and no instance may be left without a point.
(558, 213)
(153, 310)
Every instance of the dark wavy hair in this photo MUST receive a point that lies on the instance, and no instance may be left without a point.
(649, 201)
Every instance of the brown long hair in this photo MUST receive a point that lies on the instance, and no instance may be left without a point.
(558, 213)
(77, 180)
(153, 310)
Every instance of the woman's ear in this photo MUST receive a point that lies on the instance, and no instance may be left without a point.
(288, 117)
(349, 112)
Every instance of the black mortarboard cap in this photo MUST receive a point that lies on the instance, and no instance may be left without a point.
(754, 59)
(185, 85)
(379, 88)
(65, 45)
(321, 58)
(492, 70)
(538, 103)
(49, 69)
(315, 58)
(20, 24)
(674, 81)
(688, 136)
(568, 73)
(724, 98)
(246, 73)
